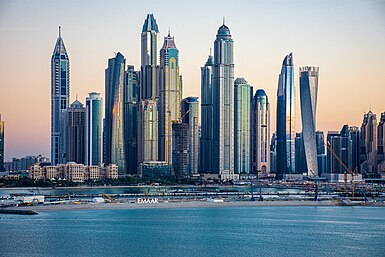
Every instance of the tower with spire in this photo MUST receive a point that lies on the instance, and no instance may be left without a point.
(223, 105)
(60, 93)
(169, 96)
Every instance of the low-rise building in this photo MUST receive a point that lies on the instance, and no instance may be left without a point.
(73, 172)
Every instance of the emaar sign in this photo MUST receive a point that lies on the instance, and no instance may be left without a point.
(147, 200)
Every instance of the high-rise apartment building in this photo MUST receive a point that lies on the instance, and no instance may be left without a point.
(223, 105)
(148, 134)
(354, 134)
(75, 133)
(131, 97)
(149, 82)
(207, 118)
(93, 139)
(368, 145)
(341, 144)
(180, 149)
(308, 84)
(60, 93)
(381, 144)
(286, 119)
(169, 96)
(190, 116)
(242, 144)
(113, 121)
(260, 132)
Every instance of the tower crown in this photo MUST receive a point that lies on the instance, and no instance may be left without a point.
(150, 24)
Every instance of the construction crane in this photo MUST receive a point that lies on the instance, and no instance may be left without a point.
(347, 170)
(105, 196)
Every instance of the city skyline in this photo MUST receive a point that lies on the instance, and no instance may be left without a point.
(25, 136)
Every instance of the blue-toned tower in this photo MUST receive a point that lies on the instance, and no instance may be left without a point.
(286, 119)
(60, 93)
(93, 129)
(207, 105)
(113, 123)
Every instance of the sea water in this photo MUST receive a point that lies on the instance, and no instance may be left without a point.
(236, 231)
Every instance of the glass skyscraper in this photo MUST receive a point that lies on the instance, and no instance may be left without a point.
(131, 95)
(190, 116)
(60, 93)
(148, 134)
(261, 132)
(207, 118)
(75, 133)
(149, 59)
(113, 123)
(223, 105)
(308, 84)
(93, 129)
(286, 119)
(368, 144)
(180, 149)
(242, 155)
(169, 96)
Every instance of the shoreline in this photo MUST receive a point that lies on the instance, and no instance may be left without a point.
(188, 204)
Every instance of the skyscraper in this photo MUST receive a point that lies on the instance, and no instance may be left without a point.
(354, 134)
(223, 105)
(190, 116)
(93, 129)
(75, 133)
(321, 156)
(131, 95)
(341, 145)
(1, 145)
(180, 149)
(286, 119)
(113, 127)
(60, 93)
(261, 132)
(381, 144)
(148, 134)
(207, 118)
(242, 147)
(308, 83)
(149, 59)
(273, 153)
(169, 92)
(300, 156)
(368, 145)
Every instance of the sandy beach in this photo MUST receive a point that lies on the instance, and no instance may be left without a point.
(187, 204)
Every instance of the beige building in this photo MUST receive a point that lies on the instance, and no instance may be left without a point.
(72, 172)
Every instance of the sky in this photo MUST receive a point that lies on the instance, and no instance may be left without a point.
(345, 39)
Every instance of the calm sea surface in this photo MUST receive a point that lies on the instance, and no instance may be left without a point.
(241, 231)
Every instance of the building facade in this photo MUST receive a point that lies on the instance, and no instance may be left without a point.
(150, 39)
(190, 116)
(131, 96)
(75, 133)
(169, 96)
(368, 145)
(260, 132)
(341, 144)
(148, 134)
(207, 118)
(60, 94)
(286, 119)
(308, 84)
(93, 129)
(223, 105)
(180, 149)
(242, 146)
(113, 121)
